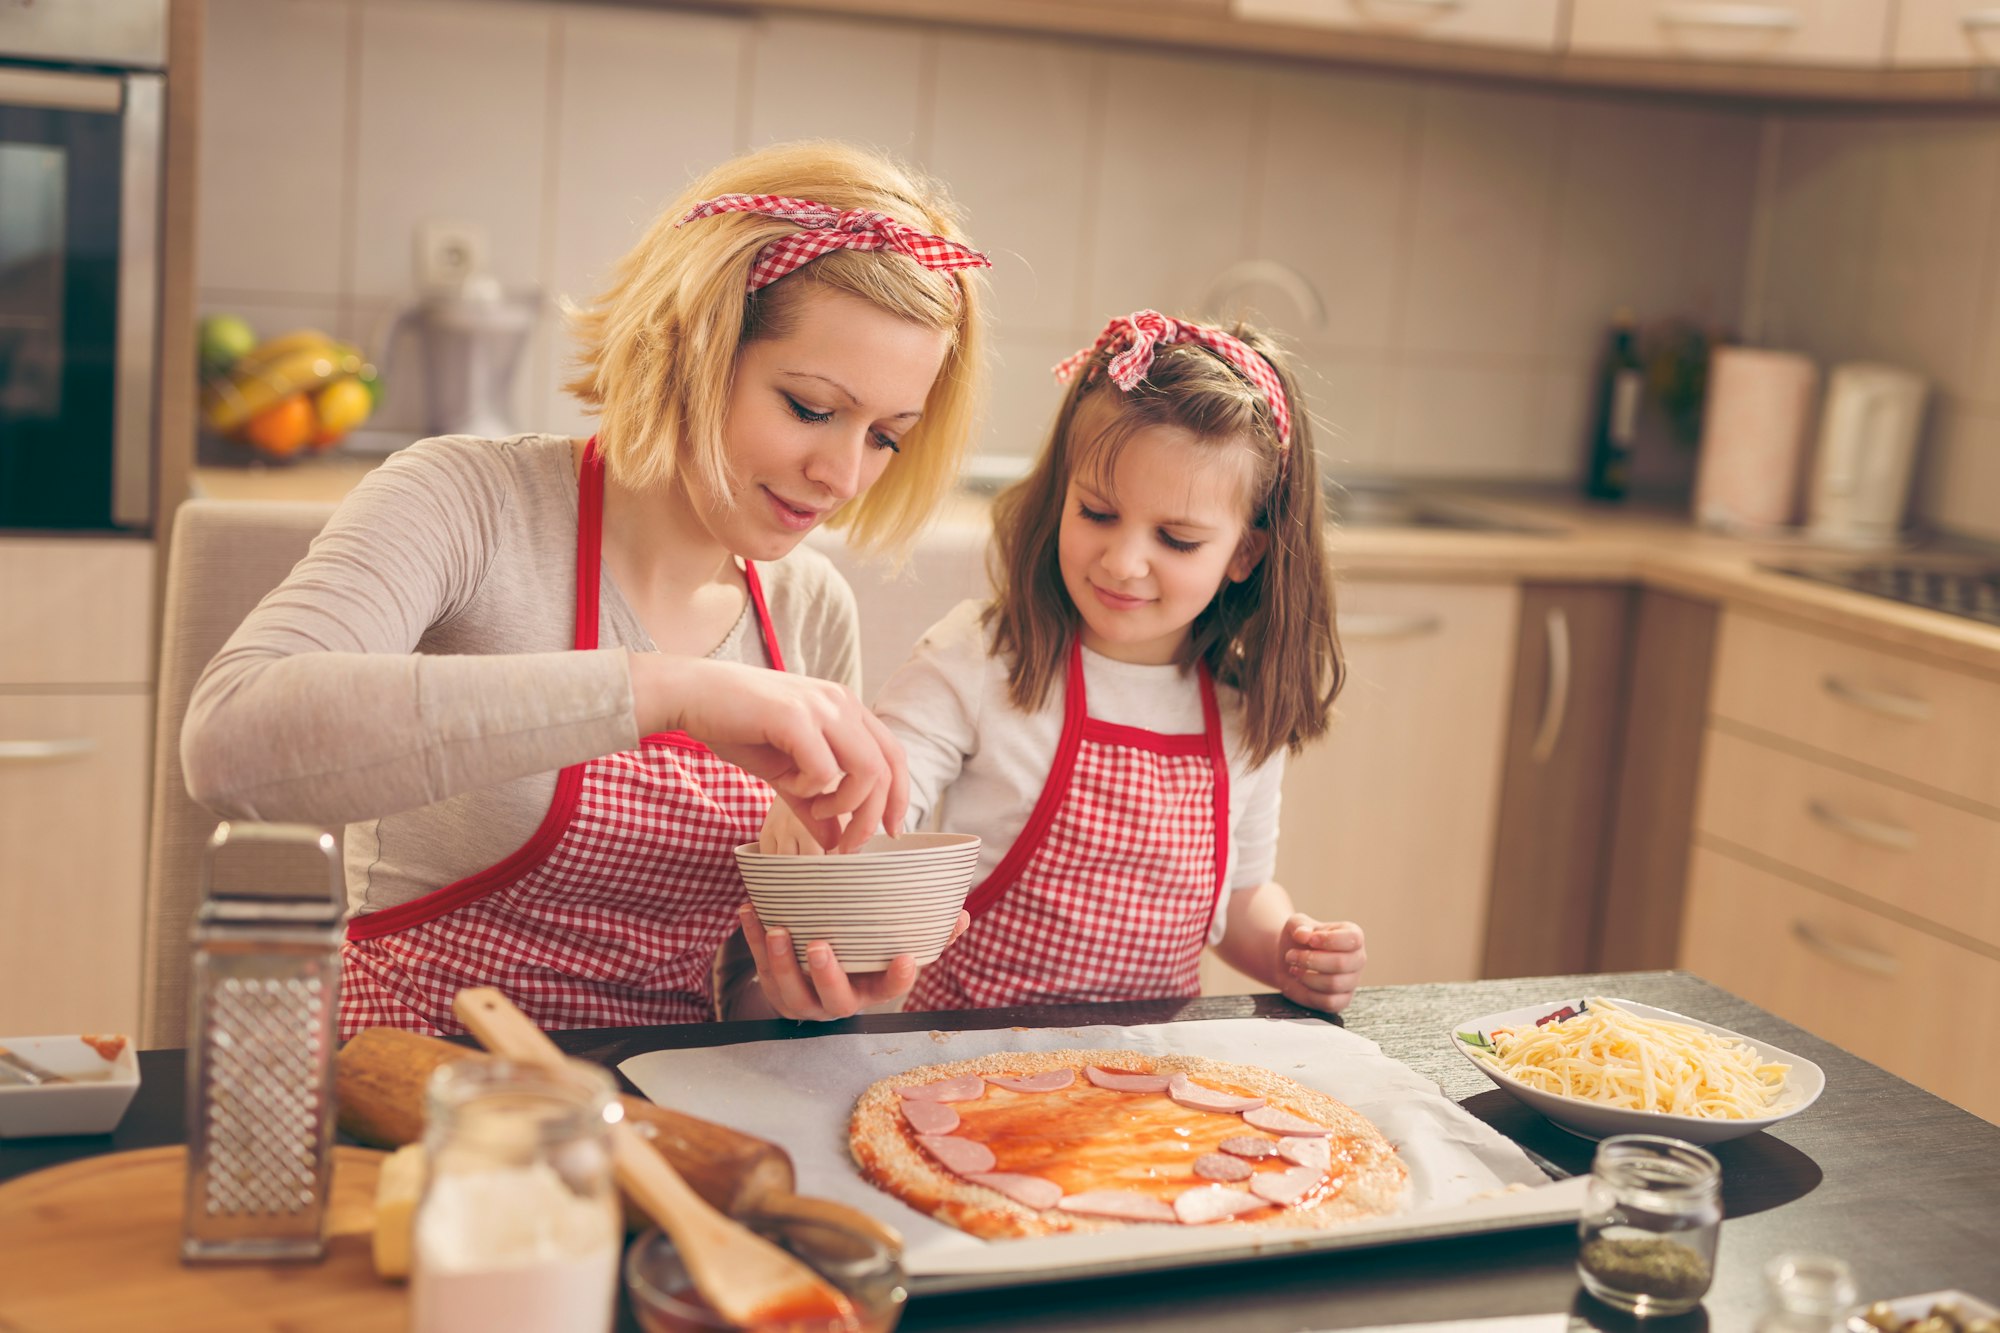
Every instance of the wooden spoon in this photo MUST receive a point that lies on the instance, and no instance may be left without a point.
(746, 1278)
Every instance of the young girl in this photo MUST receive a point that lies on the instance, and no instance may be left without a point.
(1113, 724)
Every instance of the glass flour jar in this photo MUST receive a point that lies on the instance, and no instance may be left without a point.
(519, 1228)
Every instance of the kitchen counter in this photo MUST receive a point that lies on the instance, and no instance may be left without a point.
(1554, 537)
(1895, 1181)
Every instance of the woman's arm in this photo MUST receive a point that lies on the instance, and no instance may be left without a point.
(319, 709)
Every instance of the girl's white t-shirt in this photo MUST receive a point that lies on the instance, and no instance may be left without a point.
(978, 764)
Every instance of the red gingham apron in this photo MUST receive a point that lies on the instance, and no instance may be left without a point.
(611, 913)
(1109, 891)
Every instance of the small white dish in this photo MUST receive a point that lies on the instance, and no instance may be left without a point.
(1804, 1081)
(92, 1102)
(1917, 1307)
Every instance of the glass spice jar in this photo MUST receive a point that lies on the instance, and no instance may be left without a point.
(1652, 1213)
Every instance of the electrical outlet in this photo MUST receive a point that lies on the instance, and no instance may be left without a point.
(448, 253)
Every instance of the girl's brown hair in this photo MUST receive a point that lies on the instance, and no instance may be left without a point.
(1271, 636)
(658, 347)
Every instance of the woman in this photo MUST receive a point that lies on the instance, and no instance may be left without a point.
(535, 677)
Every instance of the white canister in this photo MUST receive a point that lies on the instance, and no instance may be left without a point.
(1755, 425)
(1867, 451)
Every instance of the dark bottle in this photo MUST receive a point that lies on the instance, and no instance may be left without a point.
(1621, 381)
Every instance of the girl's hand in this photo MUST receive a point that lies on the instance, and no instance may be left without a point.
(826, 754)
(828, 992)
(1320, 962)
(785, 834)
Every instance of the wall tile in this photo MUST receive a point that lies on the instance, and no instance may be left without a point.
(1170, 210)
(1010, 137)
(647, 101)
(1960, 485)
(1935, 220)
(1821, 235)
(1480, 244)
(1333, 194)
(1347, 394)
(1022, 395)
(453, 126)
(1638, 181)
(1457, 419)
(837, 79)
(274, 123)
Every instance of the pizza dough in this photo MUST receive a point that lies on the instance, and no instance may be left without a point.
(1031, 1143)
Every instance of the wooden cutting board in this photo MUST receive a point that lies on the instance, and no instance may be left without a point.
(95, 1246)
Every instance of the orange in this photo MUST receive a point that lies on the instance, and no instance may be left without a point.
(283, 428)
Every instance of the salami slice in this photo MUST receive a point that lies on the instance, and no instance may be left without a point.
(1253, 1146)
(1301, 1151)
(1221, 1166)
(966, 1157)
(1121, 1204)
(930, 1117)
(1194, 1096)
(1212, 1203)
(966, 1088)
(1028, 1191)
(1286, 1188)
(1281, 1122)
(1055, 1080)
(1124, 1080)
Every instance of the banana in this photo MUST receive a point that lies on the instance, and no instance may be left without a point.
(306, 361)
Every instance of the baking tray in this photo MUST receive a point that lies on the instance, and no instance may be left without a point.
(1466, 1178)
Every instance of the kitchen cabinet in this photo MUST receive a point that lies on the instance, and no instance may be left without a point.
(75, 730)
(1389, 819)
(1946, 33)
(1806, 32)
(1658, 771)
(1846, 864)
(1565, 719)
(1535, 24)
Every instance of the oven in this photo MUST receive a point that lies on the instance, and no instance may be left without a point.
(82, 94)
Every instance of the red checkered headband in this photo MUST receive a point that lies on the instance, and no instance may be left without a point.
(1132, 340)
(824, 228)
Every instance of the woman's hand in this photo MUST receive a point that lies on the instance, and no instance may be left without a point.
(826, 754)
(824, 991)
(1320, 962)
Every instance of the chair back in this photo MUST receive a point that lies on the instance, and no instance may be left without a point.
(226, 555)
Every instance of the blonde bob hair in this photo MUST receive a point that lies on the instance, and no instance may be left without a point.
(1270, 636)
(658, 347)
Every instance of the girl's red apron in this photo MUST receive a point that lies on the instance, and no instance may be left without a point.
(611, 913)
(1109, 891)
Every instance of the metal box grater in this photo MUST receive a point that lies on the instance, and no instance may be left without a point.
(264, 1008)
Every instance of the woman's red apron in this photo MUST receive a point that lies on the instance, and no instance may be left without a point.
(1109, 891)
(611, 913)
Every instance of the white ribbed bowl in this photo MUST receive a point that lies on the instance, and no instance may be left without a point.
(895, 896)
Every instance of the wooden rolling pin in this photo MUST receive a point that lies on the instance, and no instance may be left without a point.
(379, 1079)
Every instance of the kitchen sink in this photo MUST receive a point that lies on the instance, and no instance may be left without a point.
(1386, 505)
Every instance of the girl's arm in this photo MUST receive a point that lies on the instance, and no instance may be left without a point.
(1314, 963)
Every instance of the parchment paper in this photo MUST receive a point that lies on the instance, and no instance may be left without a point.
(1464, 1176)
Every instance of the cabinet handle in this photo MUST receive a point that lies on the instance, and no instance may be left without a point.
(1978, 20)
(1899, 706)
(1555, 695)
(1893, 836)
(1417, 4)
(1862, 960)
(1390, 626)
(1763, 18)
(33, 752)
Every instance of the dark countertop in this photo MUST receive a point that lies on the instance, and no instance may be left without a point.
(1902, 1185)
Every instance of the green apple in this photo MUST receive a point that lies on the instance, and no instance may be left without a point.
(222, 339)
